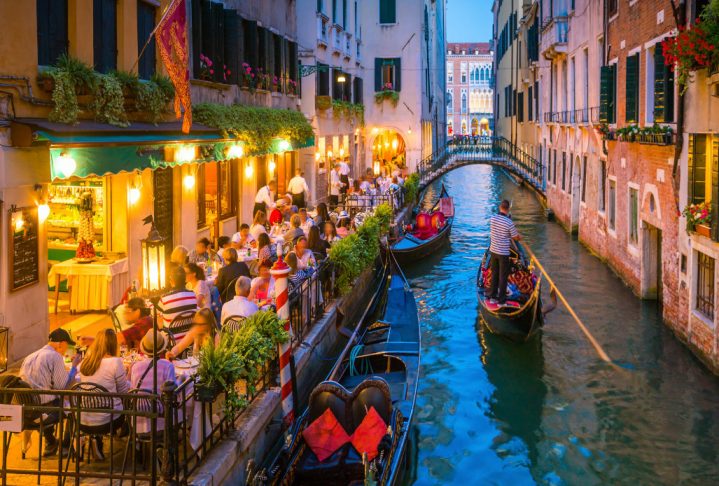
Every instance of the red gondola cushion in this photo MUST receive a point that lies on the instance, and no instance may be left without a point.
(424, 221)
(325, 435)
(367, 436)
(438, 219)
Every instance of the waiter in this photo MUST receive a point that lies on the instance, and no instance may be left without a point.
(344, 177)
(264, 200)
(297, 187)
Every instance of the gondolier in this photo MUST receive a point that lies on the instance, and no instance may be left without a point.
(264, 199)
(297, 187)
(502, 232)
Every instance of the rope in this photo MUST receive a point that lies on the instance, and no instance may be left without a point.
(597, 347)
(365, 367)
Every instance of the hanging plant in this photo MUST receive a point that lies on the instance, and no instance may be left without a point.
(154, 96)
(387, 93)
(109, 103)
(64, 97)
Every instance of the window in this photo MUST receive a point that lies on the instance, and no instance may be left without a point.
(450, 72)
(705, 285)
(663, 89)
(633, 215)
(603, 185)
(607, 96)
(145, 26)
(464, 101)
(536, 100)
(323, 79)
(464, 77)
(250, 37)
(530, 104)
(570, 181)
(632, 89)
(584, 179)
(564, 170)
(697, 162)
(387, 11)
(340, 91)
(520, 107)
(334, 11)
(549, 164)
(51, 30)
(612, 204)
(216, 194)
(227, 40)
(450, 101)
(320, 6)
(357, 91)
(388, 73)
(104, 28)
(697, 8)
(555, 167)
(612, 7)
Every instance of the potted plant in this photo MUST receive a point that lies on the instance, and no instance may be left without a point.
(207, 71)
(699, 218)
(291, 87)
(387, 93)
(323, 102)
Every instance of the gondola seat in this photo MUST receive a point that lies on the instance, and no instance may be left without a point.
(350, 409)
(438, 220)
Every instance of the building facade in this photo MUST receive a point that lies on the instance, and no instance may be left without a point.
(195, 185)
(470, 94)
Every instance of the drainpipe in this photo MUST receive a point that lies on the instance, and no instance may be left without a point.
(680, 13)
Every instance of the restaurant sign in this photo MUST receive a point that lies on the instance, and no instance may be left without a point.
(10, 418)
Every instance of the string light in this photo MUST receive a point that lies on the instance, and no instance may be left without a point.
(235, 152)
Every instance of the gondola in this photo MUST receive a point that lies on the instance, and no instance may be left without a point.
(428, 234)
(366, 404)
(522, 317)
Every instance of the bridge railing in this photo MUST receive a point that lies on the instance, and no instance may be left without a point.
(495, 150)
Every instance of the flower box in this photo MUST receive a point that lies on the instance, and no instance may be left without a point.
(206, 394)
(323, 102)
(703, 230)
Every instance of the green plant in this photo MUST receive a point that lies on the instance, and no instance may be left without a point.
(387, 94)
(699, 213)
(64, 97)
(347, 110)
(109, 102)
(411, 187)
(358, 251)
(154, 96)
(129, 81)
(256, 126)
(323, 102)
(83, 75)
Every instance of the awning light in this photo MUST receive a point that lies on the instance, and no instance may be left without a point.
(66, 165)
(133, 195)
(184, 154)
(284, 146)
(235, 152)
(189, 182)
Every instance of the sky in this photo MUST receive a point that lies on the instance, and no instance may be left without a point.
(469, 20)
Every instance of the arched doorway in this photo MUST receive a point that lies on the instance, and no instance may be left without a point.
(576, 193)
(484, 127)
(475, 127)
(388, 152)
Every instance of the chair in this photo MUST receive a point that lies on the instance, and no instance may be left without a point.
(181, 324)
(142, 405)
(95, 398)
(115, 319)
(233, 323)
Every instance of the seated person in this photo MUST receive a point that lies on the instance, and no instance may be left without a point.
(295, 231)
(223, 242)
(262, 287)
(177, 300)
(240, 305)
(203, 253)
(102, 366)
(279, 214)
(343, 225)
(316, 244)
(203, 329)
(243, 239)
(230, 272)
(137, 317)
(266, 251)
(305, 222)
(296, 276)
(195, 278)
(330, 233)
(305, 258)
(258, 225)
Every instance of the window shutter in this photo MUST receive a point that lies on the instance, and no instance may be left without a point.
(697, 168)
(43, 32)
(668, 95)
(323, 79)
(251, 43)
(659, 88)
(218, 38)
(293, 67)
(605, 93)
(105, 35)
(285, 59)
(241, 55)
(632, 89)
(690, 169)
(378, 73)
(196, 31)
(145, 25)
(387, 11)
(348, 88)
(270, 53)
(397, 73)
(715, 190)
(52, 30)
(261, 48)
(207, 46)
(233, 35)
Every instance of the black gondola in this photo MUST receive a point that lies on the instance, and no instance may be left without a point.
(414, 246)
(379, 370)
(521, 319)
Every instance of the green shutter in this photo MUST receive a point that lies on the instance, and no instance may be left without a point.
(715, 190)
(387, 11)
(659, 85)
(233, 38)
(604, 93)
(697, 168)
(668, 95)
(397, 61)
(690, 169)
(632, 89)
(378, 73)
(218, 37)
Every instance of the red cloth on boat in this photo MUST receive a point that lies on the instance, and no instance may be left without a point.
(367, 436)
(423, 228)
(325, 435)
(523, 280)
(438, 220)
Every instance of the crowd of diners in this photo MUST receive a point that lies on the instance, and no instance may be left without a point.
(242, 284)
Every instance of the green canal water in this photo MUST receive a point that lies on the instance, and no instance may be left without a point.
(550, 412)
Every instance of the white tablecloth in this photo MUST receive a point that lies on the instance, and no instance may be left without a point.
(94, 286)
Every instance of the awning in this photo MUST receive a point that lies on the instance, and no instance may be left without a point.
(95, 149)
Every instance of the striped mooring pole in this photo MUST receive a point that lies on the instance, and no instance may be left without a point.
(280, 271)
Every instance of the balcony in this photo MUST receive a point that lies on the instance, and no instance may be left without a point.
(337, 39)
(322, 30)
(554, 37)
(581, 116)
(358, 55)
(347, 51)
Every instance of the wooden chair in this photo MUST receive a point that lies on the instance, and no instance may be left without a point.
(181, 324)
(233, 323)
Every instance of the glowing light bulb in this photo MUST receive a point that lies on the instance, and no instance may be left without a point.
(235, 152)
(376, 167)
(394, 144)
(329, 154)
(317, 156)
(19, 223)
(248, 170)
(284, 146)
(272, 166)
(189, 181)
(185, 154)
(66, 165)
(43, 211)
(342, 152)
(133, 195)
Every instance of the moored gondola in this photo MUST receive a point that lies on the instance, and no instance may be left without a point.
(521, 317)
(429, 232)
(356, 427)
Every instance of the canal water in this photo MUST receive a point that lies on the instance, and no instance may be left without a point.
(549, 411)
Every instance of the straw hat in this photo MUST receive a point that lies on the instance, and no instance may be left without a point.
(147, 342)
(236, 238)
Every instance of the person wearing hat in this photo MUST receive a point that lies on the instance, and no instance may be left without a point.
(343, 224)
(45, 370)
(142, 375)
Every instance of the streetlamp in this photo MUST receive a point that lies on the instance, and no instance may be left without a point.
(154, 249)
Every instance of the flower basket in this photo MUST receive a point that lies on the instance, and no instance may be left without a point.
(323, 102)
(703, 230)
(387, 94)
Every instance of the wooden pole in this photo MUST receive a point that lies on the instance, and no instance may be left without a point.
(598, 348)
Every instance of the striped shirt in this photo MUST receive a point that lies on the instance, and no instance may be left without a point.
(175, 303)
(45, 370)
(501, 232)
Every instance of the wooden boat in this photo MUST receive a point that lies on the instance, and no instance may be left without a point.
(376, 375)
(519, 320)
(414, 246)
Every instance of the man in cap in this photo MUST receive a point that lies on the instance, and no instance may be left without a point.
(45, 370)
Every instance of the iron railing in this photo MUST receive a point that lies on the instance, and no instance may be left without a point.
(309, 300)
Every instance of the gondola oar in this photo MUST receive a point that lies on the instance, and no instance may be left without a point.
(600, 351)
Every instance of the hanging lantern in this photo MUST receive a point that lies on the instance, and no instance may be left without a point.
(154, 249)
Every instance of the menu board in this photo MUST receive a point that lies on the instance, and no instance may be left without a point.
(24, 247)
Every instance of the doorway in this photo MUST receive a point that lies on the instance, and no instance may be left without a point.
(576, 194)
(651, 283)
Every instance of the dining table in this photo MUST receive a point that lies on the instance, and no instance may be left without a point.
(96, 285)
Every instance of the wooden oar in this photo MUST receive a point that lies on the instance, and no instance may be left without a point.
(600, 351)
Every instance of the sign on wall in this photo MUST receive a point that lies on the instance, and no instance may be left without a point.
(24, 261)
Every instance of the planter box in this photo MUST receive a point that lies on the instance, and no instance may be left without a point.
(703, 230)
(210, 84)
(323, 102)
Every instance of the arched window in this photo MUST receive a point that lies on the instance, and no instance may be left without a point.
(464, 102)
(464, 127)
(450, 101)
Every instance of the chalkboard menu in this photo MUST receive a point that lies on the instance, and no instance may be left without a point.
(163, 182)
(24, 247)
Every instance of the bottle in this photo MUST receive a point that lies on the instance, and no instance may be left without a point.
(133, 290)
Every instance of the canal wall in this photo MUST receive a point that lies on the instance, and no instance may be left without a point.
(258, 430)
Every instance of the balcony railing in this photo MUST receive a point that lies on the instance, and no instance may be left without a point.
(581, 115)
(348, 45)
(554, 37)
(337, 39)
(322, 30)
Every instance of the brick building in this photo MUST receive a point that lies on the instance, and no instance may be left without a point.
(470, 92)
